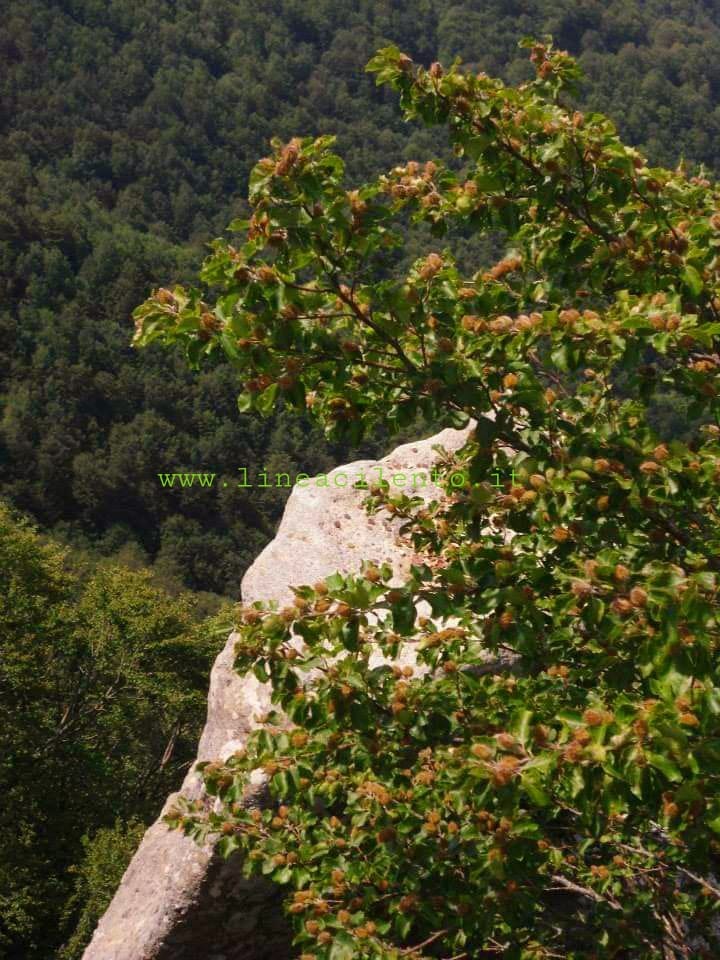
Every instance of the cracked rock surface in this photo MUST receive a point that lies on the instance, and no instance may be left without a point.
(178, 901)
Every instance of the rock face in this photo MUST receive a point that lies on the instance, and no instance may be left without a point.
(178, 901)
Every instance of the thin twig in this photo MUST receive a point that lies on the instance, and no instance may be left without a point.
(409, 950)
(585, 891)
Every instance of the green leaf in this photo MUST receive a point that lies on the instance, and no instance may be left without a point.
(521, 726)
(245, 402)
(261, 673)
(532, 785)
(227, 845)
(665, 766)
(343, 946)
(266, 400)
(693, 280)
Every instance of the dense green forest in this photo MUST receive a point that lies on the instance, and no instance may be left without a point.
(127, 132)
(103, 689)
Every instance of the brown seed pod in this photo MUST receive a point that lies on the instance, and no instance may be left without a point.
(288, 157)
(165, 296)
(581, 588)
(622, 606)
(638, 597)
(407, 903)
(210, 322)
(405, 63)
(433, 264)
(386, 835)
(266, 275)
(594, 718)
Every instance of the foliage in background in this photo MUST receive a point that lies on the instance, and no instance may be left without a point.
(562, 799)
(127, 133)
(98, 875)
(103, 685)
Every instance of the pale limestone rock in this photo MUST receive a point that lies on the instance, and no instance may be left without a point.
(178, 901)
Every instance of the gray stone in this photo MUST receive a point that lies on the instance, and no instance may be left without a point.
(178, 901)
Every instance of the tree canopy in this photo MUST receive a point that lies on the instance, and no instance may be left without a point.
(546, 780)
(103, 683)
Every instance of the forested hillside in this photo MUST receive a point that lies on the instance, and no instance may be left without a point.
(103, 688)
(128, 130)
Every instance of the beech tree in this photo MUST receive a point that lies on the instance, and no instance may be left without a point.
(545, 782)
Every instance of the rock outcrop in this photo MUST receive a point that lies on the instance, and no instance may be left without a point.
(178, 901)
